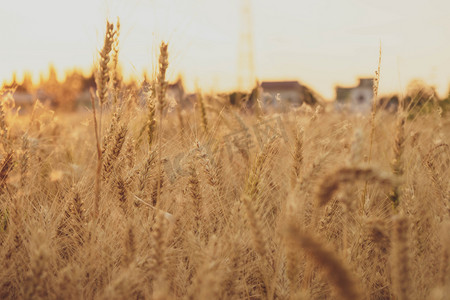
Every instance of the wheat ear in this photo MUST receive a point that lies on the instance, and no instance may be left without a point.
(196, 197)
(335, 270)
(297, 157)
(103, 76)
(330, 183)
(203, 113)
(396, 164)
(162, 85)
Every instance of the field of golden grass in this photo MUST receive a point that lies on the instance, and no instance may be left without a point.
(141, 202)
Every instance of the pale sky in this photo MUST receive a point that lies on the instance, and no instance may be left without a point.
(321, 43)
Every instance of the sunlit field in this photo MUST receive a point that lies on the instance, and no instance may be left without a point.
(138, 196)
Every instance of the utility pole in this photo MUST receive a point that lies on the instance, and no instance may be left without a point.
(246, 66)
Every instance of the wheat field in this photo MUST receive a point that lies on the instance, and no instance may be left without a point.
(131, 201)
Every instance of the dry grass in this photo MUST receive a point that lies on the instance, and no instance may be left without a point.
(92, 213)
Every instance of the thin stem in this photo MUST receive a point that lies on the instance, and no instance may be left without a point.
(158, 197)
(99, 157)
(372, 122)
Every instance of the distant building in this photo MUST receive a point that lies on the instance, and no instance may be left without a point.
(24, 100)
(389, 103)
(175, 92)
(356, 99)
(285, 94)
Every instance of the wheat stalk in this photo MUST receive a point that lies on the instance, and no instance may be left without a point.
(372, 118)
(97, 189)
(400, 257)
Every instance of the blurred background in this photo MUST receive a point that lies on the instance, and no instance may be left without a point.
(228, 45)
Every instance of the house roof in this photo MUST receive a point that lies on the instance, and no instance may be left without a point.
(366, 82)
(363, 82)
(343, 93)
(280, 85)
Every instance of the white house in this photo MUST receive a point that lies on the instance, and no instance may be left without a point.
(282, 95)
(356, 99)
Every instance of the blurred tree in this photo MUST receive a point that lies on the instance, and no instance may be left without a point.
(445, 103)
(71, 89)
(63, 95)
(50, 87)
(14, 82)
(420, 97)
(27, 83)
